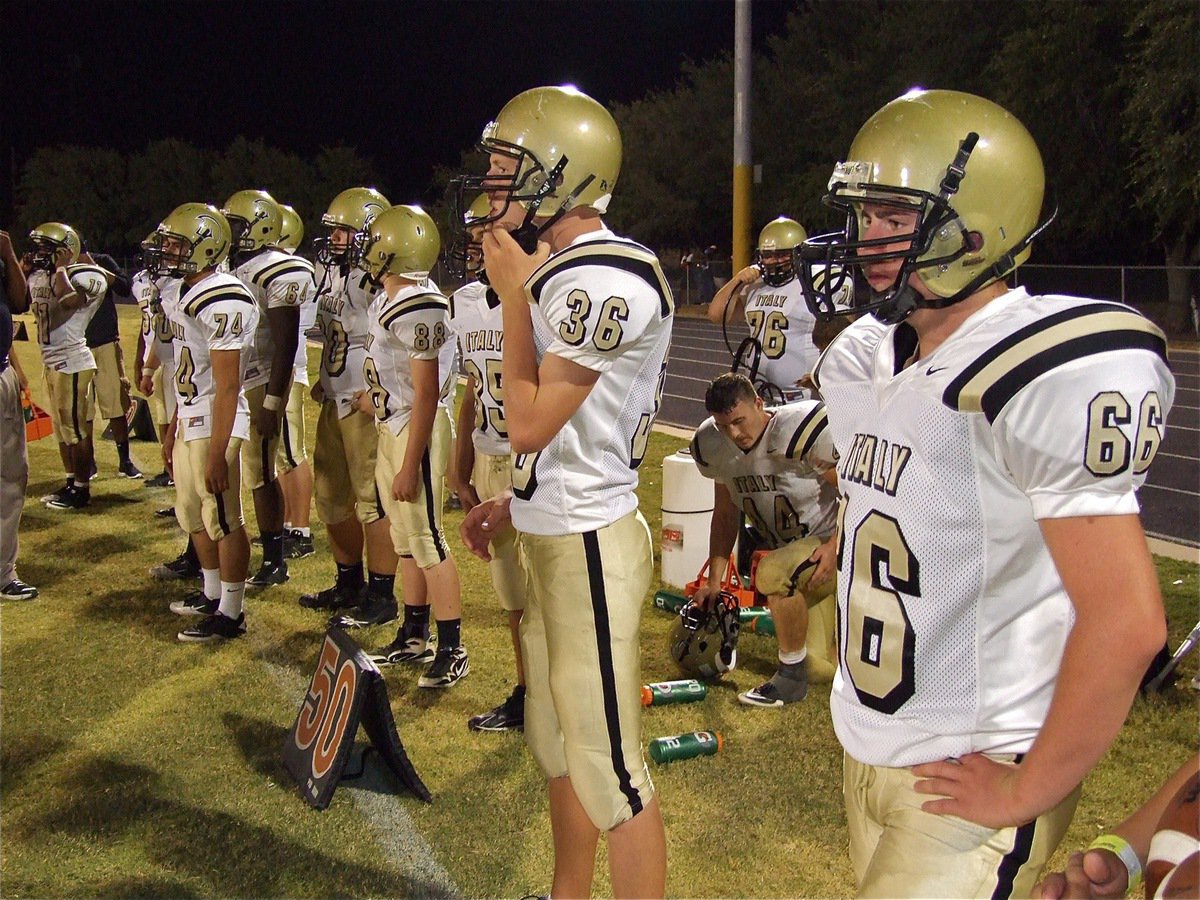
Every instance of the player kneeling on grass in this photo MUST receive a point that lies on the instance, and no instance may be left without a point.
(410, 375)
(776, 466)
(213, 328)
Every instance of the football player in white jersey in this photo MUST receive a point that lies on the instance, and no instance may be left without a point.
(344, 457)
(997, 600)
(158, 295)
(410, 374)
(587, 326)
(775, 466)
(213, 326)
(281, 283)
(295, 471)
(481, 452)
(64, 294)
(768, 293)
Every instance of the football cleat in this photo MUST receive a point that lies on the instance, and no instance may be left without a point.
(450, 664)
(73, 499)
(162, 480)
(165, 513)
(194, 604)
(61, 492)
(413, 649)
(214, 628)
(779, 691)
(374, 610)
(181, 567)
(18, 590)
(297, 545)
(129, 470)
(508, 716)
(267, 575)
(334, 598)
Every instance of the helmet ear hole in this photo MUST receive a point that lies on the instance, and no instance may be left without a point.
(974, 241)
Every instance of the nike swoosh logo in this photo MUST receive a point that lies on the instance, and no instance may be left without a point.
(931, 369)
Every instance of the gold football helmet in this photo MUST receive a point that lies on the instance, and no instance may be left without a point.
(402, 240)
(50, 240)
(970, 171)
(255, 220)
(291, 230)
(204, 235)
(775, 244)
(353, 209)
(565, 150)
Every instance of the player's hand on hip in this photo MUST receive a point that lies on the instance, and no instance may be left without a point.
(508, 266)
(974, 788)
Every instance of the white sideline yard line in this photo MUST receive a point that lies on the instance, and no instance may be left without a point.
(391, 825)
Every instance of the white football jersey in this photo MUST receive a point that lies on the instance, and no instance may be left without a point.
(604, 303)
(308, 318)
(478, 325)
(64, 346)
(783, 325)
(216, 313)
(778, 482)
(342, 316)
(952, 614)
(276, 280)
(414, 324)
(156, 329)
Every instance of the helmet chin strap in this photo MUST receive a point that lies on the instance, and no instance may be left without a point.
(528, 233)
(907, 299)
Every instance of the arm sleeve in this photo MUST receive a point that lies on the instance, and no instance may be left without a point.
(595, 312)
(1078, 440)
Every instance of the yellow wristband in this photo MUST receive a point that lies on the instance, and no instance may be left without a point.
(1121, 848)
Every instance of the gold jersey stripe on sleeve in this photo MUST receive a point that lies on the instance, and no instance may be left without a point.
(290, 266)
(428, 300)
(625, 255)
(989, 383)
(807, 432)
(215, 294)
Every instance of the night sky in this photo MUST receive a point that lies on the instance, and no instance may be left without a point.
(409, 83)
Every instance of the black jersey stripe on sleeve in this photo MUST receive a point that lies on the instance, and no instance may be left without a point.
(807, 432)
(216, 294)
(289, 266)
(412, 304)
(991, 381)
(631, 258)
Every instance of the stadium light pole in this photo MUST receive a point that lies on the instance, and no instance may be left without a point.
(742, 164)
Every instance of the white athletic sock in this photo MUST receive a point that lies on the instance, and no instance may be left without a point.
(212, 583)
(790, 659)
(306, 532)
(232, 593)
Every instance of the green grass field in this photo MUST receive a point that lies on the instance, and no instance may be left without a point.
(133, 765)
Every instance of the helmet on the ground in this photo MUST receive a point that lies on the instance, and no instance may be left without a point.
(703, 642)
